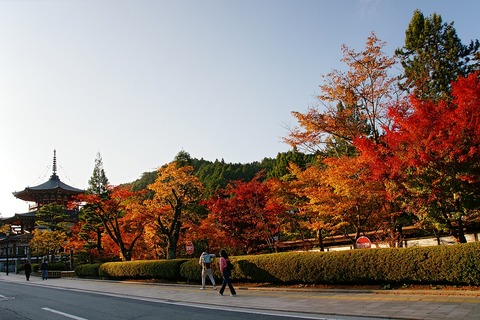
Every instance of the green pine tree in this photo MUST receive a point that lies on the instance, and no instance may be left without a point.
(433, 56)
(98, 182)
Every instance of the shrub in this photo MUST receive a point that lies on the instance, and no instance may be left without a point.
(458, 264)
(88, 270)
(143, 269)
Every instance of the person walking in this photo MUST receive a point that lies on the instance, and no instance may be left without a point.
(226, 270)
(205, 261)
(44, 268)
(28, 269)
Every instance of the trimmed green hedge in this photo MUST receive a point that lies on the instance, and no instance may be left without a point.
(88, 270)
(142, 269)
(457, 264)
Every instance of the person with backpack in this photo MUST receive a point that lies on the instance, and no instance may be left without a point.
(205, 261)
(226, 268)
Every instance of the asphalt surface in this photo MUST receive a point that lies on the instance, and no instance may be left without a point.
(314, 303)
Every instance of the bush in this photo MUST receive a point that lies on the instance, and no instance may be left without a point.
(458, 265)
(143, 269)
(57, 266)
(88, 270)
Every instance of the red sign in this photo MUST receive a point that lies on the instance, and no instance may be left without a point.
(363, 242)
(189, 247)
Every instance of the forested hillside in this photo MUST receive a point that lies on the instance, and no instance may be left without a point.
(215, 175)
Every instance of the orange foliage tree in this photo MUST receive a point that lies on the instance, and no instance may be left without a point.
(294, 224)
(341, 197)
(247, 215)
(83, 242)
(121, 215)
(355, 102)
(176, 192)
(47, 242)
(432, 154)
(311, 198)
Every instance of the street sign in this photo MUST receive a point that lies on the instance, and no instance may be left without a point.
(189, 247)
(363, 243)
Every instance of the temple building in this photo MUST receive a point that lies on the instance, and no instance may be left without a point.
(51, 191)
(14, 244)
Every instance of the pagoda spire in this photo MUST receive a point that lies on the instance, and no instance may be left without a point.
(54, 174)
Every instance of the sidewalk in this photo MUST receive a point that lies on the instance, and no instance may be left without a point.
(391, 304)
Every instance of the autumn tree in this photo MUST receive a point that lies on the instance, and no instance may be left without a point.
(176, 192)
(354, 102)
(432, 154)
(83, 242)
(341, 197)
(355, 105)
(247, 214)
(5, 228)
(121, 216)
(303, 192)
(295, 224)
(433, 56)
(47, 243)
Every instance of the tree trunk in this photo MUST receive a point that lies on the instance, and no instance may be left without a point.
(320, 240)
(172, 248)
(460, 232)
(99, 241)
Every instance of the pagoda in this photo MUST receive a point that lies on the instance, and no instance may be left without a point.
(51, 191)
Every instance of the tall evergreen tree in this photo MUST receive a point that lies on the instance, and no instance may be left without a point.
(98, 181)
(433, 56)
(97, 185)
(183, 159)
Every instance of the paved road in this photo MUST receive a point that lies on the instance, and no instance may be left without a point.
(312, 304)
(23, 301)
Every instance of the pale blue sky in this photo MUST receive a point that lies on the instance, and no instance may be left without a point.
(140, 80)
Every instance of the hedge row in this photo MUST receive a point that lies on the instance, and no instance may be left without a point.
(88, 270)
(457, 264)
(142, 269)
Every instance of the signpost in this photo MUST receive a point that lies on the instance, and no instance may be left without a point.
(189, 247)
(363, 243)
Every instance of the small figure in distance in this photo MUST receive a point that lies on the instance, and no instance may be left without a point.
(226, 270)
(205, 261)
(28, 269)
(44, 268)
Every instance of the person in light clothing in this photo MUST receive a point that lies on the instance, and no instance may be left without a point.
(205, 261)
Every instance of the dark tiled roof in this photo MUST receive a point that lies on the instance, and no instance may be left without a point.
(51, 185)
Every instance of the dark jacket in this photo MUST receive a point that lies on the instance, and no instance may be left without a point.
(27, 267)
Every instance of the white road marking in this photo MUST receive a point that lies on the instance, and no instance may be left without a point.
(71, 316)
(4, 298)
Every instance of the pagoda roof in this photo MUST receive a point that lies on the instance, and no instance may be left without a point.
(19, 216)
(51, 186)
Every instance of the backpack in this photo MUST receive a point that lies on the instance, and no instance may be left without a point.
(206, 258)
(229, 265)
